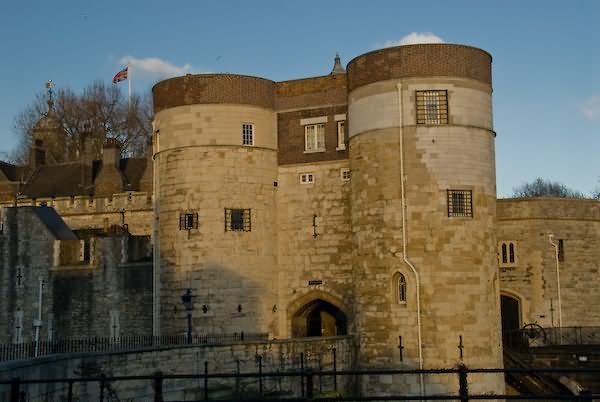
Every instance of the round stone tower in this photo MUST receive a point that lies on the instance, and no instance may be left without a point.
(215, 143)
(423, 210)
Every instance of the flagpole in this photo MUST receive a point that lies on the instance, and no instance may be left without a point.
(128, 101)
(129, 86)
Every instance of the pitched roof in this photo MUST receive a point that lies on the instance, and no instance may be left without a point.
(9, 170)
(65, 179)
(54, 223)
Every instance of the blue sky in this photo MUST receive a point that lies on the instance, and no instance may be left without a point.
(546, 67)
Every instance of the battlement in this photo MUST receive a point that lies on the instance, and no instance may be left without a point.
(548, 208)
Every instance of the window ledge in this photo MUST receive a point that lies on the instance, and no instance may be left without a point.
(315, 151)
(340, 148)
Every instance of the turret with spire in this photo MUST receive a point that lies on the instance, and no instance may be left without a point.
(47, 136)
(337, 65)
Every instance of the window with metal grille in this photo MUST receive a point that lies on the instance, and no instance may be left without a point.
(188, 221)
(460, 203)
(238, 220)
(314, 138)
(432, 107)
(248, 134)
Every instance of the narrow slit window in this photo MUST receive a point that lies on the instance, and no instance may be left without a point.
(504, 254)
(401, 289)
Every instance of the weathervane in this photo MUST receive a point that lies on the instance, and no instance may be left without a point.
(49, 85)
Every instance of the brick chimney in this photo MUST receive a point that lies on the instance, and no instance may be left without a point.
(110, 179)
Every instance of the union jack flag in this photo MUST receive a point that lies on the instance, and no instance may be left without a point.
(120, 76)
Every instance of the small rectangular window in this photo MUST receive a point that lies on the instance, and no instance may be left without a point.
(314, 138)
(460, 203)
(238, 220)
(307, 178)
(345, 174)
(188, 221)
(432, 107)
(341, 135)
(248, 134)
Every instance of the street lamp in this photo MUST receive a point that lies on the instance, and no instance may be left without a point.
(186, 299)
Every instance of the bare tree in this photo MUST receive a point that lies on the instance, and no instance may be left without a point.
(100, 111)
(545, 188)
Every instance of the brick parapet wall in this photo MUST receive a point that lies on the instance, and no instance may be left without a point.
(423, 60)
(213, 88)
(311, 92)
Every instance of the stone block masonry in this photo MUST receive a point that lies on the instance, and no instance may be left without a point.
(273, 356)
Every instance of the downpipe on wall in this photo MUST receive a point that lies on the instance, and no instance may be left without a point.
(555, 245)
(404, 255)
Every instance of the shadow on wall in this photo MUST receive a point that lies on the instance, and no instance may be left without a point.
(223, 301)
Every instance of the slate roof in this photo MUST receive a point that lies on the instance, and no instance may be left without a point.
(54, 223)
(10, 171)
(73, 178)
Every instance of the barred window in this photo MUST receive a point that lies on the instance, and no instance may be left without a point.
(432, 107)
(248, 134)
(460, 203)
(188, 221)
(314, 138)
(238, 220)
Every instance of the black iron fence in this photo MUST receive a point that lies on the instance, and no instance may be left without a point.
(533, 335)
(104, 386)
(28, 350)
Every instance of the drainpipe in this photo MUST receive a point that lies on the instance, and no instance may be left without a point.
(404, 254)
(555, 245)
(38, 323)
(156, 232)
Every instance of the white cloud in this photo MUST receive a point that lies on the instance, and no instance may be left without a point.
(591, 108)
(154, 67)
(414, 38)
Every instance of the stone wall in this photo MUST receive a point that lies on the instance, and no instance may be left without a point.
(324, 259)
(454, 256)
(532, 279)
(27, 249)
(78, 297)
(109, 286)
(81, 212)
(276, 356)
(204, 168)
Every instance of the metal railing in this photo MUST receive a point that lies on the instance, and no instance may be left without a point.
(535, 336)
(27, 350)
(105, 391)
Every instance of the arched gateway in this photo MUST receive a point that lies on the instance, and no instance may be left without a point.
(318, 317)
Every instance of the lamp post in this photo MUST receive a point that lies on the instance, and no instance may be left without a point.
(186, 299)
